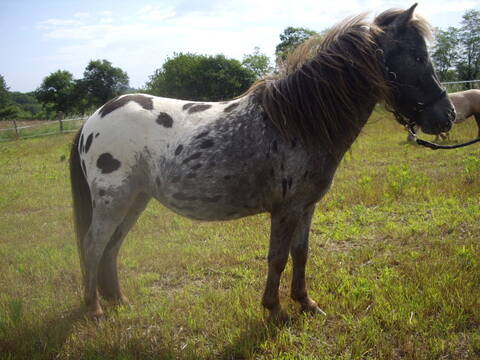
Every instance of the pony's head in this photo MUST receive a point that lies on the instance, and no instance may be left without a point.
(417, 98)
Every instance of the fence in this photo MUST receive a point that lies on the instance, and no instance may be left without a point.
(39, 128)
(454, 86)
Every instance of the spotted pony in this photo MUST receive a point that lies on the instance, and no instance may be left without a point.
(275, 149)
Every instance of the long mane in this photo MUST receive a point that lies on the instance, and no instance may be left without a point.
(327, 87)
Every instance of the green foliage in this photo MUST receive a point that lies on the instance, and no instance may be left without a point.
(102, 82)
(200, 77)
(456, 51)
(29, 105)
(4, 94)
(56, 91)
(468, 65)
(290, 38)
(444, 52)
(258, 63)
(8, 108)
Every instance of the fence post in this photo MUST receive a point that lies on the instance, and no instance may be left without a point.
(16, 129)
(60, 117)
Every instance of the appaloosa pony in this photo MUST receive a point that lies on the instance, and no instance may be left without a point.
(275, 149)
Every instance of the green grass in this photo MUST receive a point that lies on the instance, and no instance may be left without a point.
(394, 262)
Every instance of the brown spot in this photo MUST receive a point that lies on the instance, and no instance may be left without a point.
(102, 192)
(206, 144)
(107, 163)
(202, 134)
(192, 157)
(178, 150)
(187, 105)
(165, 120)
(89, 142)
(231, 107)
(142, 100)
(198, 108)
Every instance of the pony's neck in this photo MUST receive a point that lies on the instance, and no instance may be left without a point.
(326, 101)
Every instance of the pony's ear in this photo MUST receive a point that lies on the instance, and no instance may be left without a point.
(405, 17)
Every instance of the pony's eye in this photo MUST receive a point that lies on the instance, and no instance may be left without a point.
(419, 59)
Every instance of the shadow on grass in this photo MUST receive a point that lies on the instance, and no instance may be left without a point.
(39, 339)
(250, 341)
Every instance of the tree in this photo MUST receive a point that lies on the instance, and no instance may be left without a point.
(290, 39)
(468, 66)
(445, 53)
(200, 77)
(258, 63)
(102, 82)
(27, 103)
(4, 94)
(55, 92)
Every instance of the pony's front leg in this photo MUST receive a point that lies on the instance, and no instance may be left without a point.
(299, 253)
(283, 226)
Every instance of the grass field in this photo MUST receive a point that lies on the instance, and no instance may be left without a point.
(395, 264)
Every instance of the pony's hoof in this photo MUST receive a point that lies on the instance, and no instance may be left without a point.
(97, 316)
(311, 307)
(120, 301)
(279, 317)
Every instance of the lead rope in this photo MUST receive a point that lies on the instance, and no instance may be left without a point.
(434, 146)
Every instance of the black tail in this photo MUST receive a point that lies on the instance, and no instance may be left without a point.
(82, 201)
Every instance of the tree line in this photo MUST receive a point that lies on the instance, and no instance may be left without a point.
(456, 51)
(455, 54)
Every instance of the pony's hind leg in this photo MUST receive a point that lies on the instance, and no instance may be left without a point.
(299, 253)
(477, 119)
(107, 215)
(108, 283)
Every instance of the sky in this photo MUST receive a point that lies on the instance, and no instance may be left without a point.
(41, 37)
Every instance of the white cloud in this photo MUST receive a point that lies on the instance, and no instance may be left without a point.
(81, 15)
(53, 23)
(140, 42)
(155, 13)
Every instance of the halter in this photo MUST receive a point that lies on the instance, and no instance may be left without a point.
(417, 109)
(410, 125)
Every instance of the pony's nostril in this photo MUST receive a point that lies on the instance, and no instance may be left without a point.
(447, 127)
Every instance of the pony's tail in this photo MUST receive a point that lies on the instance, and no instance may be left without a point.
(82, 201)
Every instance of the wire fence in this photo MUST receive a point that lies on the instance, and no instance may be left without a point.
(454, 86)
(22, 129)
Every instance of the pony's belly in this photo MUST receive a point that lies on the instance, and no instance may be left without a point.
(212, 208)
